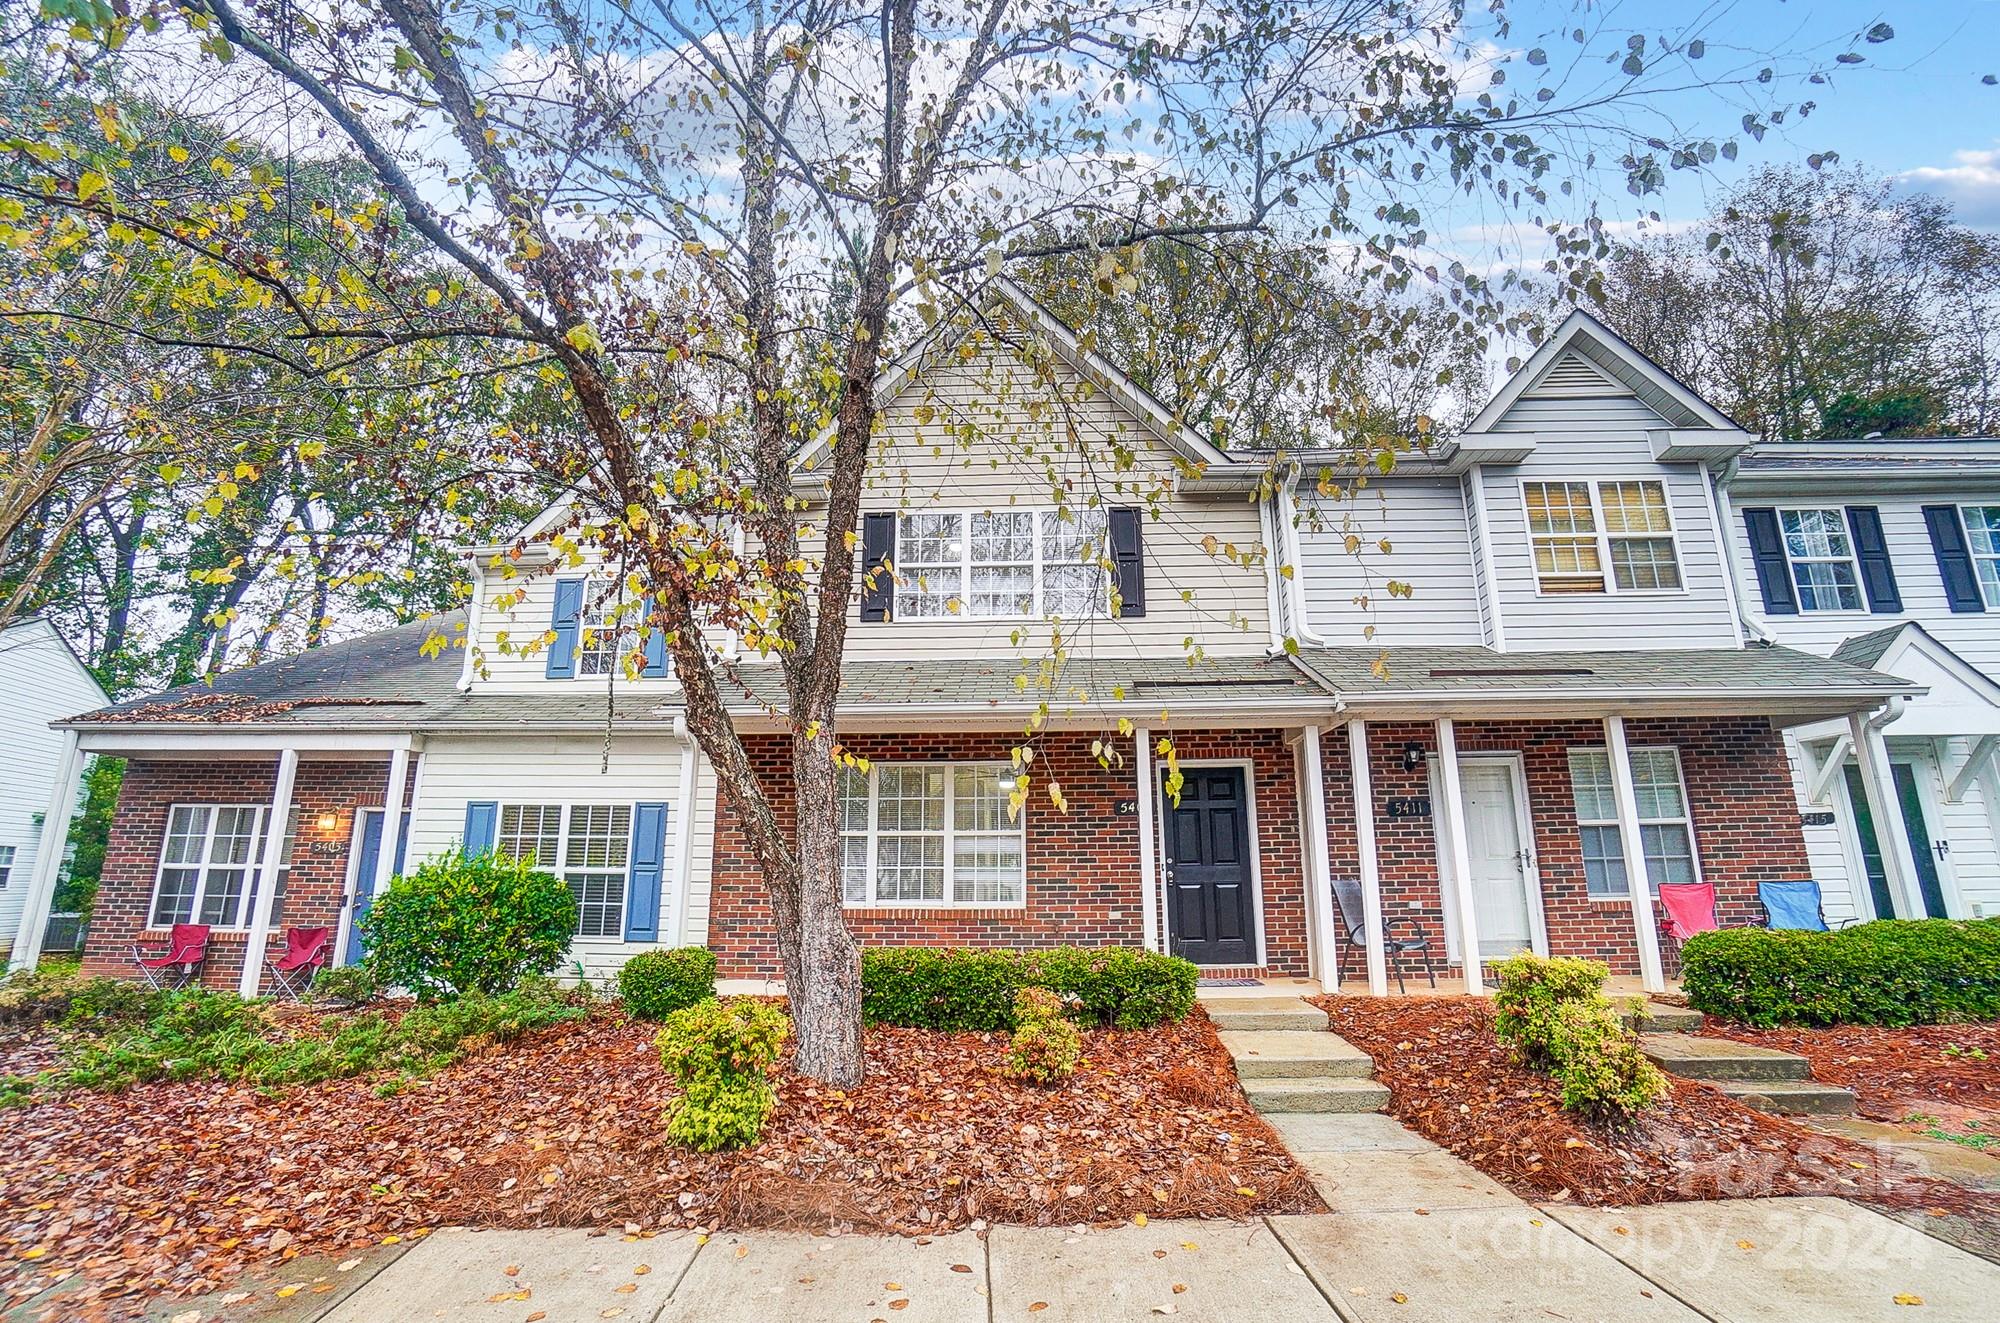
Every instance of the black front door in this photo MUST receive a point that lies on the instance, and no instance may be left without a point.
(1211, 913)
(1910, 808)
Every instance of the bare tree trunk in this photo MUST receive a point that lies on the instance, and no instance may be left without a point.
(822, 963)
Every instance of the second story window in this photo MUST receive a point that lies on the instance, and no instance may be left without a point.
(603, 641)
(1821, 555)
(1579, 528)
(1001, 564)
(1982, 541)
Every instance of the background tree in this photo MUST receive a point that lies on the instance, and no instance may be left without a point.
(704, 230)
(1822, 304)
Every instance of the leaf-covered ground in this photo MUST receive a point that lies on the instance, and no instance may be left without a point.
(175, 1189)
(1894, 1072)
(1450, 1080)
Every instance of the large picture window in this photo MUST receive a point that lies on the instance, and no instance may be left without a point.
(208, 866)
(1666, 831)
(1982, 542)
(1001, 564)
(1578, 529)
(931, 834)
(588, 846)
(1821, 554)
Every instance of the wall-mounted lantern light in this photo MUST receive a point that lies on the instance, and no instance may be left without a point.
(1413, 757)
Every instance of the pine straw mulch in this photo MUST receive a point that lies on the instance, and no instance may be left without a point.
(1894, 1072)
(176, 1189)
(1450, 1079)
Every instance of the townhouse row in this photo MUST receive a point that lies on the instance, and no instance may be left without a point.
(1597, 641)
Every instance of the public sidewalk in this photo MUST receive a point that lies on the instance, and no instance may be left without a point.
(1417, 1237)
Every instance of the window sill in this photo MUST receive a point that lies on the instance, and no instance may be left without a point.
(937, 907)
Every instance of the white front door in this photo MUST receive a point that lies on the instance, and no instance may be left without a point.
(1498, 856)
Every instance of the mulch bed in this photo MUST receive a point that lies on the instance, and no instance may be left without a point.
(1893, 1072)
(1450, 1079)
(176, 1189)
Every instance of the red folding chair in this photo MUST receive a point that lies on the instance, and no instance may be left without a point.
(178, 965)
(306, 950)
(1687, 908)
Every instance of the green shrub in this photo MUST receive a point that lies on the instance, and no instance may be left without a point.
(469, 923)
(655, 984)
(962, 990)
(1892, 972)
(1554, 1015)
(345, 985)
(56, 991)
(721, 1053)
(1046, 1045)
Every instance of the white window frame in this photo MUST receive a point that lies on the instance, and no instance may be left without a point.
(1605, 537)
(247, 902)
(1685, 821)
(562, 867)
(6, 864)
(1852, 560)
(600, 597)
(1989, 594)
(1039, 607)
(950, 834)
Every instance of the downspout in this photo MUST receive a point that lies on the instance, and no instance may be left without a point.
(1288, 532)
(474, 616)
(1725, 522)
(1274, 609)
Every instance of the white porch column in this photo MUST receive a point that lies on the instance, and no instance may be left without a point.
(1638, 886)
(1899, 865)
(49, 851)
(1451, 811)
(275, 818)
(1149, 880)
(392, 821)
(1319, 882)
(684, 843)
(1362, 779)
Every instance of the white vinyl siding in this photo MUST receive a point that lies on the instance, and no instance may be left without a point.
(1603, 439)
(1820, 553)
(931, 835)
(1666, 827)
(531, 768)
(43, 682)
(1430, 548)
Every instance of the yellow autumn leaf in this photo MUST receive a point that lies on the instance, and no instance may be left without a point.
(1907, 1299)
(1138, 1219)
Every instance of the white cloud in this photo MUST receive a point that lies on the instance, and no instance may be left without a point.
(1972, 184)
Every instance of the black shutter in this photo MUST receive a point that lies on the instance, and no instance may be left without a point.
(878, 547)
(1878, 577)
(1128, 561)
(1961, 584)
(1774, 573)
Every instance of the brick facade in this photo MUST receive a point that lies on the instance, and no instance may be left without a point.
(1082, 866)
(314, 891)
(1739, 785)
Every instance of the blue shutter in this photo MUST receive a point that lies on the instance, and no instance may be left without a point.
(656, 654)
(481, 817)
(642, 882)
(1774, 572)
(1871, 549)
(1961, 581)
(562, 653)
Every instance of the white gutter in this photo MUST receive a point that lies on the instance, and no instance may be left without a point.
(1725, 523)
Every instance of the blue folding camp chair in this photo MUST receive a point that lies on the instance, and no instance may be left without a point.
(1793, 905)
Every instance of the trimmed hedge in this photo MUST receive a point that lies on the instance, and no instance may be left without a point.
(962, 990)
(1892, 972)
(655, 984)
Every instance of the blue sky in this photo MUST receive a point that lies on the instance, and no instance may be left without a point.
(1915, 108)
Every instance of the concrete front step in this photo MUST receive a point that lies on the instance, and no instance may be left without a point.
(1288, 1054)
(1795, 1097)
(1266, 1013)
(1721, 1059)
(1654, 1017)
(1315, 1094)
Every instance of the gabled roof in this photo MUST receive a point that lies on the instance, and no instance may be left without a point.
(1607, 352)
(1960, 698)
(1217, 465)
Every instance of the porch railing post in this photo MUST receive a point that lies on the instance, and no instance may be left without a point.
(1892, 842)
(1632, 842)
(276, 819)
(1319, 910)
(1362, 779)
(1451, 811)
(49, 851)
(1149, 918)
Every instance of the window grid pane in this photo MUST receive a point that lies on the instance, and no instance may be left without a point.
(1002, 552)
(941, 834)
(602, 642)
(597, 848)
(929, 550)
(531, 832)
(1073, 579)
(1665, 830)
(1822, 559)
(1563, 529)
(1982, 536)
(1640, 527)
